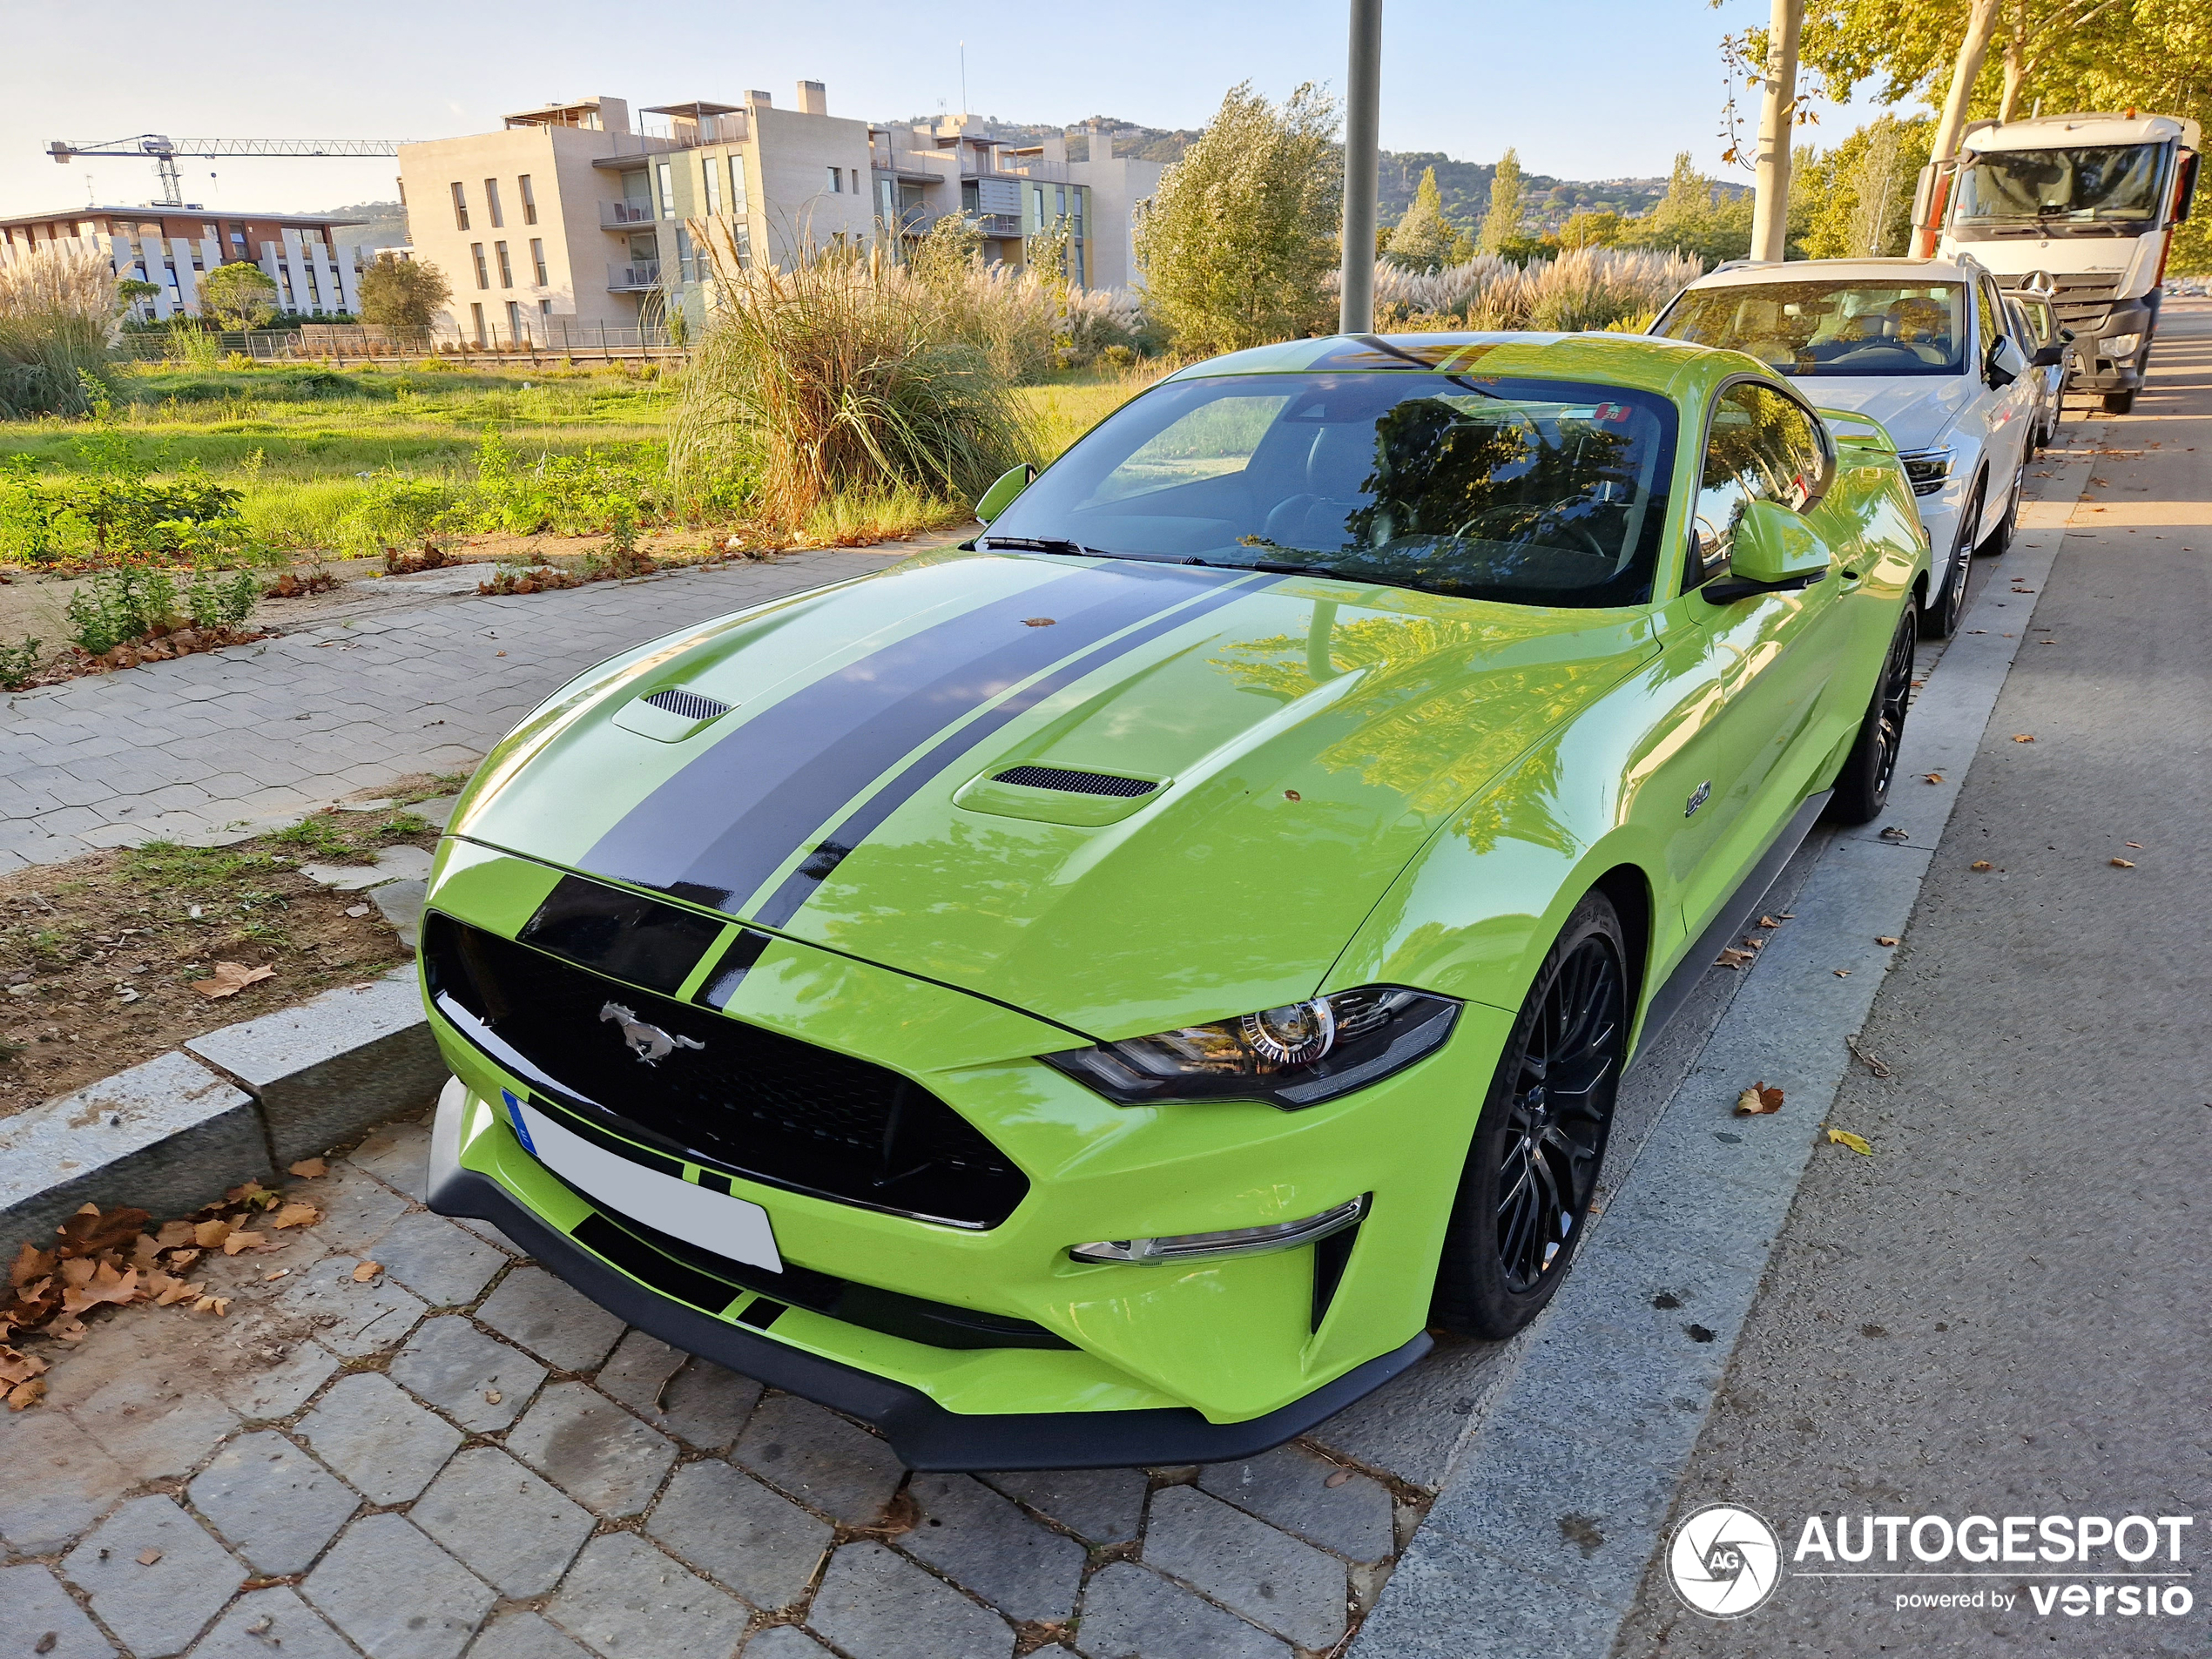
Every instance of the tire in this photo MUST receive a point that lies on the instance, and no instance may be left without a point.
(1999, 542)
(1524, 1198)
(1940, 617)
(2119, 402)
(1863, 786)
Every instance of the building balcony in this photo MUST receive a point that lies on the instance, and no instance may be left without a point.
(997, 223)
(620, 216)
(635, 277)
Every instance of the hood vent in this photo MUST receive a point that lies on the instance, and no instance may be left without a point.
(688, 705)
(1074, 782)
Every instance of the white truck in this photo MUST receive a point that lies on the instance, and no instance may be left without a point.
(2082, 210)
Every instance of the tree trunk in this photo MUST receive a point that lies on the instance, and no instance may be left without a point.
(2015, 61)
(1980, 24)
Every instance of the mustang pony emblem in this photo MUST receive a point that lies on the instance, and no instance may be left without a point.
(1698, 798)
(648, 1043)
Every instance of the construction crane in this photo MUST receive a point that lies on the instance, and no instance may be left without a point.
(164, 152)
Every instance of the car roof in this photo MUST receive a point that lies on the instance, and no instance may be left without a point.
(1641, 361)
(1871, 270)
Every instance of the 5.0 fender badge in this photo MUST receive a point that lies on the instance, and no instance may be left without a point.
(648, 1043)
(1698, 798)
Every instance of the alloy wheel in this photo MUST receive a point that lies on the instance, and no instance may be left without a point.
(1561, 1110)
(1896, 692)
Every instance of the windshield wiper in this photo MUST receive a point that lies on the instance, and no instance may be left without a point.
(1042, 544)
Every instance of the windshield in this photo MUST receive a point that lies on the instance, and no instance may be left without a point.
(2032, 192)
(1830, 329)
(1532, 492)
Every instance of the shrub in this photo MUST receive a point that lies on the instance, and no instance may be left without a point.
(396, 512)
(117, 606)
(58, 310)
(214, 603)
(18, 664)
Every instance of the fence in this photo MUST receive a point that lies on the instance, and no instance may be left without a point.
(540, 337)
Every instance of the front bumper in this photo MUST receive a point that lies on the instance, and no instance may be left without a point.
(924, 1434)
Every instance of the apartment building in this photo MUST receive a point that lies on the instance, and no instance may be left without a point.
(316, 272)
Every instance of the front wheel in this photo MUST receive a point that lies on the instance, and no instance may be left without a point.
(1863, 786)
(1948, 603)
(1999, 542)
(1524, 1200)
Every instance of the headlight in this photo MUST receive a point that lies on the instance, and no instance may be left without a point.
(2120, 345)
(1927, 469)
(1296, 1055)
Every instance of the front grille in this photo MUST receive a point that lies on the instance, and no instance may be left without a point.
(688, 705)
(1075, 783)
(2077, 299)
(744, 1099)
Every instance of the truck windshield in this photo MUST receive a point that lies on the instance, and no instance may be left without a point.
(1829, 328)
(1529, 492)
(2033, 192)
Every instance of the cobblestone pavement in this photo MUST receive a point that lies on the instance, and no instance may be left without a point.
(261, 734)
(461, 1456)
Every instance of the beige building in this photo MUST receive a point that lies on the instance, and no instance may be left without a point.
(575, 218)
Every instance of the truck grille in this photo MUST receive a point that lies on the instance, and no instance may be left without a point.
(724, 1094)
(2082, 299)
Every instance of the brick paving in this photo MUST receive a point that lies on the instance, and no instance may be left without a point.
(210, 746)
(462, 1459)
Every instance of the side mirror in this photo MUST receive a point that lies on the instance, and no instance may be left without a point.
(2049, 356)
(1000, 496)
(2006, 362)
(1774, 551)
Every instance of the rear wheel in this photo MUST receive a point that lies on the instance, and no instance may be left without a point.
(1999, 540)
(1863, 786)
(2119, 402)
(1940, 617)
(1524, 1200)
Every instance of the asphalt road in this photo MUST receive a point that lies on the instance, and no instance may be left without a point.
(2003, 1310)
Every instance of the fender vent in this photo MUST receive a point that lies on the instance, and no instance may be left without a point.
(687, 705)
(1074, 782)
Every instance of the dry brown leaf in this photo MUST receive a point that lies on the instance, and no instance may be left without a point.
(174, 1233)
(177, 1292)
(297, 1215)
(1842, 973)
(149, 1555)
(88, 1233)
(1934, 777)
(1884, 940)
(29, 1263)
(243, 1240)
(2022, 736)
(208, 1234)
(1981, 864)
(18, 1367)
(1757, 1101)
(1769, 922)
(231, 978)
(1730, 957)
(217, 1306)
(79, 1270)
(106, 1285)
(180, 1259)
(366, 1271)
(27, 1393)
(311, 1168)
(2123, 864)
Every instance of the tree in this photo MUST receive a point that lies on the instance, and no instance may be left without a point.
(402, 294)
(1693, 218)
(1242, 230)
(1502, 222)
(1857, 198)
(1425, 240)
(1586, 228)
(239, 295)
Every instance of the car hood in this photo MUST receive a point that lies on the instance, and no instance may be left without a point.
(1915, 409)
(1256, 757)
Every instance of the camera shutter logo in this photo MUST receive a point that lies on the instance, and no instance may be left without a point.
(1724, 1561)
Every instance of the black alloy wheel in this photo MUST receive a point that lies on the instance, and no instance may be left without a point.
(1939, 618)
(1524, 1200)
(1863, 786)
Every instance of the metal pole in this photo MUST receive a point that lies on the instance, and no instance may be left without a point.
(1363, 99)
(1778, 118)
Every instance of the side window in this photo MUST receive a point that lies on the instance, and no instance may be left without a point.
(1987, 311)
(1761, 446)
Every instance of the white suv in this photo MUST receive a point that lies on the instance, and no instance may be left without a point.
(1923, 345)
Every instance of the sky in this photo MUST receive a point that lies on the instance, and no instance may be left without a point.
(1583, 89)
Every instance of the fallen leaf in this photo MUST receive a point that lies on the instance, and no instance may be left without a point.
(30, 1263)
(217, 1306)
(1894, 834)
(1842, 973)
(297, 1215)
(174, 1233)
(26, 1394)
(89, 1233)
(149, 1555)
(2123, 864)
(243, 1240)
(491, 1397)
(366, 1271)
(231, 978)
(1935, 777)
(1981, 864)
(2138, 846)
(2022, 736)
(1757, 1101)
(1730, 957)
(177, 1292)
(1884, 940)
(208, 1234)
(1769, 922)
(45, 1643)
(18, 1367)
(1857, 1143)
(311, 1169)
(106, 1285)
(1337, 1479)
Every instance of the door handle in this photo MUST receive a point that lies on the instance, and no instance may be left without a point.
(1852, 573)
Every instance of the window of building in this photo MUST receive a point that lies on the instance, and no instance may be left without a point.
(545, 307)
(740, 217)
(711, 175)
(476, 316)
(460, 206)
(514, 323)
(667, 175)
(529, 200)
(837, 179)
(506, 266)
(537, 259)
(476, 253)
(491, 204)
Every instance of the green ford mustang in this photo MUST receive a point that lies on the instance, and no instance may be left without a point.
(1100, 994)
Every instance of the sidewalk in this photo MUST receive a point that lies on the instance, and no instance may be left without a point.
(238, 739)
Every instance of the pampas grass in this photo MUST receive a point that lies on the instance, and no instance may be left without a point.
(57, 322)
(1586, 289)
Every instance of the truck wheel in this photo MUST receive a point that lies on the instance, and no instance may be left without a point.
(2119, 402)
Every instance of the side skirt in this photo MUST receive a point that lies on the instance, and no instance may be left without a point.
(1741, 905)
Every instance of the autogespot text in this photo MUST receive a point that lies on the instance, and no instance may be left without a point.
(2125, 1567)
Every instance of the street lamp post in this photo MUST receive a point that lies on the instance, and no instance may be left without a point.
(1363, 94)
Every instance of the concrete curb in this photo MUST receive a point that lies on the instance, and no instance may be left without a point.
(1557, 1502)
(185, 1128)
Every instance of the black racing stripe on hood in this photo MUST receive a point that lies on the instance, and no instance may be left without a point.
(800, 884)
(721, 827)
